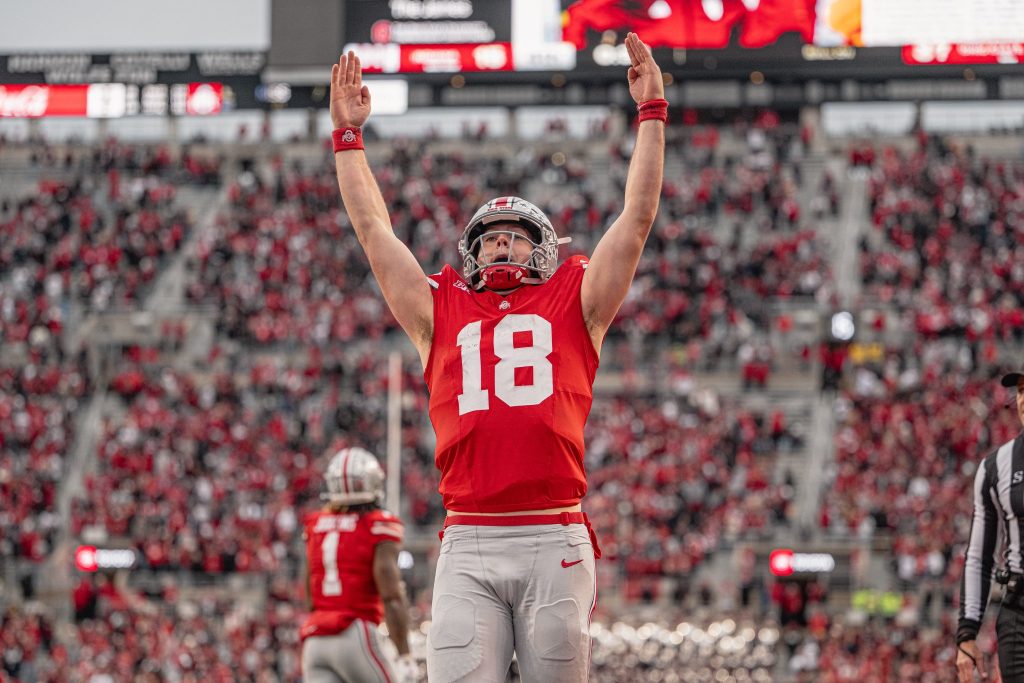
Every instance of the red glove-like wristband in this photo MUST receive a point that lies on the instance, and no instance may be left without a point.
(347, 138)
(653, 109)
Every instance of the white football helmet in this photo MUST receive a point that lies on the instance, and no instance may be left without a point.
(537, 268)
(354, 477)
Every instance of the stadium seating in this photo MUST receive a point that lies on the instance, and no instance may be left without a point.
(203, 464)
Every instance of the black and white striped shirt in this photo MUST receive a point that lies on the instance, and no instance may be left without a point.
(998, 511)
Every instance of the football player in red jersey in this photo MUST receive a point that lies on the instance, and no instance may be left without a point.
(510, 348)
(353, 580)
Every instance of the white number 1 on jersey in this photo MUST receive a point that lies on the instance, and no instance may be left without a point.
(329, 553)
(474, 397)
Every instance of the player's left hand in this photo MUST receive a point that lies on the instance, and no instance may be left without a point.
(644, 75)
(406, 670)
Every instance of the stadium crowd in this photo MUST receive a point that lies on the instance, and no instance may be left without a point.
(69, 241)
(671, 478)
(123, 635)
(943, 252)
(207, 469)
(90, 238)
(283, 266)
(948, 239)
(250, 437)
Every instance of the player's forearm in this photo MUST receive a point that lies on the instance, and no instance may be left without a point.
(360, 194)
(396, 616)
(644, 181)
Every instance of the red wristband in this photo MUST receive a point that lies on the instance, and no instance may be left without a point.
(347, 138)
(653, 109)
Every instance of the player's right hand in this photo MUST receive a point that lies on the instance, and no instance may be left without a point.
(350, 99)
(644, 75)
(969, 657)
(406, 670)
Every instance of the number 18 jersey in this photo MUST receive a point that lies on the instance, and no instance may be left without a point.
(511, 384)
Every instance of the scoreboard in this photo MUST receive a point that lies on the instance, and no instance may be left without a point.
(203, 59)
(411, 36)
(448, 36)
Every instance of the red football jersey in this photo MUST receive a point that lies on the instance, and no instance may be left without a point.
(339, 553)
(511, 384)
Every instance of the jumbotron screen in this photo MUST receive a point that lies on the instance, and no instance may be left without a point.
(445, 36)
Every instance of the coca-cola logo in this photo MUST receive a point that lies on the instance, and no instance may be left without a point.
(27, 101)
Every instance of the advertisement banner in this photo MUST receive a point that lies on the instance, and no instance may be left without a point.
(428, 22)
(392, 58)
(34, 101)
(971, 53)
(109, 100)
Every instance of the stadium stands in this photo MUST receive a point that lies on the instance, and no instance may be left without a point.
(205, 454)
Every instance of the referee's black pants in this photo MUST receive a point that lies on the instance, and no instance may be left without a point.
(1010, 635)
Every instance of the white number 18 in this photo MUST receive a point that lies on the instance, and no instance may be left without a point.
(474, 397)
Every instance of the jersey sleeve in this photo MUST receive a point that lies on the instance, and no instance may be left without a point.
(384, 526)
(980, 555)
(441, 282)
(568, 279)
(578, 262)
(575, 267)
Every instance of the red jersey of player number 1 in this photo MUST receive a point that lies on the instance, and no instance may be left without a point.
(511, 384)
(339, 553)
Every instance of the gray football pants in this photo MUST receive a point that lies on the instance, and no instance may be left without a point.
(499, 589)
(352, 656)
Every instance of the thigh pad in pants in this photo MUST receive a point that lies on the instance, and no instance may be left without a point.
(456, 651)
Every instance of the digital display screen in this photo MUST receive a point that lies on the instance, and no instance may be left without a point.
(426, 36)
(110, 100)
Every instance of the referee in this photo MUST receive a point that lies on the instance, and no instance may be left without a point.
(998, 497)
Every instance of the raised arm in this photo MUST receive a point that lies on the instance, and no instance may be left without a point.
(401, 279)
(613, 263)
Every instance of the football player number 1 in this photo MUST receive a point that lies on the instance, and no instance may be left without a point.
(474, 396)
